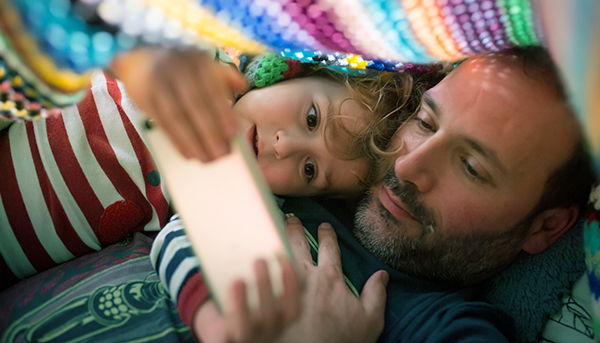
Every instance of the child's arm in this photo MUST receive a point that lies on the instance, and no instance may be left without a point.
(179, 271)
(188, 93)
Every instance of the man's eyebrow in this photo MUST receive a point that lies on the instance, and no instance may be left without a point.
(428, 99)
(486, 152)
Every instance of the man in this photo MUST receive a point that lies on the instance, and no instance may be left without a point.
(492, 164)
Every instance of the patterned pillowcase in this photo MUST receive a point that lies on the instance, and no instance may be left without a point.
(112, 295)
(573, 322)
(592, 254)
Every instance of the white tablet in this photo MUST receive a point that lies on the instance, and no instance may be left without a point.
(228, 211)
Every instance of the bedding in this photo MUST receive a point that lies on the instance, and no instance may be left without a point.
(533, 287)
(573, 321)
(115, 295)
(109, 296)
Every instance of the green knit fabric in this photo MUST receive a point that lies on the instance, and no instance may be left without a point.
(267, 70)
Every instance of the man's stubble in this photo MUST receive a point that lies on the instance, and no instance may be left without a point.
(443, 254)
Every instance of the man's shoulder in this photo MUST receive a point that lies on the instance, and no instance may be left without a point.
(420, 311)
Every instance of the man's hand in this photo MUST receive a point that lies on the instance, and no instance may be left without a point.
(330, 311)
(187, 93)
(242, 325)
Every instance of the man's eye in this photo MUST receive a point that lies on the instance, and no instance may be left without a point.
(309, 169)
(423, 124)
(312, 119)
(471, 171)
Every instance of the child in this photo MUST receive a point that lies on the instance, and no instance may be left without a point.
(313, 106)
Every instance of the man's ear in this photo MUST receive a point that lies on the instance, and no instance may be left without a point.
(549, 226)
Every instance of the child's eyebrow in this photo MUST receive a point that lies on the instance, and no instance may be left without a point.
(327, 171)
(335, 109)
(330, 108)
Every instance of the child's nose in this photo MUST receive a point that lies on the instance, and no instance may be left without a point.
(285, 144)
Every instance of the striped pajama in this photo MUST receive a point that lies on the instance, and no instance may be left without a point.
(74, 183)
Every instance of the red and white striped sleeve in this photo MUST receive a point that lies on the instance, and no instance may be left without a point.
(74, 183)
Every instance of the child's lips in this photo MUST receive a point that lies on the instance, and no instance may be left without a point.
(252, 139)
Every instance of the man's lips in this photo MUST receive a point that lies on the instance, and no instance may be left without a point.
(393, 204)
(252, 138)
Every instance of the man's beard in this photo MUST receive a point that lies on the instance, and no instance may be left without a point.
(455, 257)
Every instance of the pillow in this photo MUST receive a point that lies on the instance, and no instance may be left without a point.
(573, 322)
(531, 289)
(109, 296)
(592, 255)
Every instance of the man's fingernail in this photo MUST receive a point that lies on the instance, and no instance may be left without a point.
(326, 226)
(293, 220)
(385, 278)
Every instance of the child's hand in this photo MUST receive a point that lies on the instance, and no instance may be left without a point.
(187, 93)
(240, 324)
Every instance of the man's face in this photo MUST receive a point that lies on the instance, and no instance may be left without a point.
(473, 165)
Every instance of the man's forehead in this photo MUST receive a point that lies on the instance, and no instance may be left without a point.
(495, 103)
(485, 71)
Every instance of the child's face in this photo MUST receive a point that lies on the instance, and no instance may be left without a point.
(285, 123)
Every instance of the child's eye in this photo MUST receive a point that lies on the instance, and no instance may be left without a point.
(309, 169)
(312, 119)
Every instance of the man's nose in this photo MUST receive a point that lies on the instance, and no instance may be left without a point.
(286, 144)
(418, 165)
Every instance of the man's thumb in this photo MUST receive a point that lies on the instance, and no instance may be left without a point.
(374, 294)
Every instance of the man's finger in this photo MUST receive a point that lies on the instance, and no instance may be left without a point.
(267, 304)
(298, 243)
(373, 298)
(290, 297)
(329, 249)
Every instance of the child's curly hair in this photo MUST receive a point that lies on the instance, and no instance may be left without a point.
(392, 98)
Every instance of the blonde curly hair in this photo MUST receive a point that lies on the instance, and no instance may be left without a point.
(391, 98)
